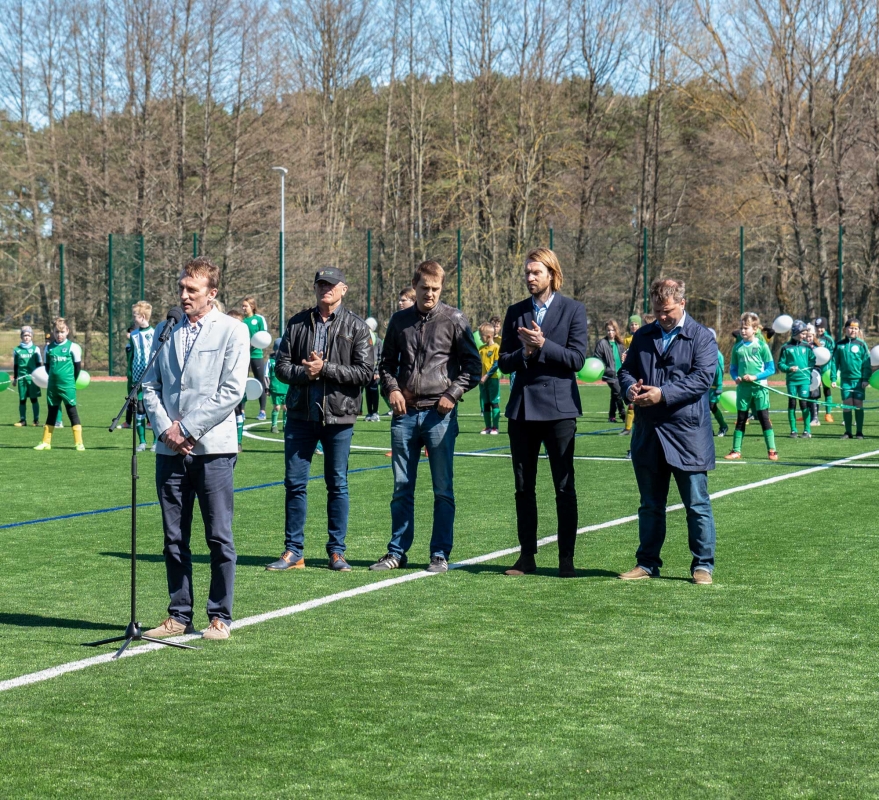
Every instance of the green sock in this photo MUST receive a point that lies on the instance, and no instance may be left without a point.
(737, 440)
(847, 419)
(239, 424)
(35, 405)
(274, 417)
(859, 421)
(22, 411)
(792, 419)
(721, 420)
(141, 430)
(769, 437)
(495, 417)
(807, 420)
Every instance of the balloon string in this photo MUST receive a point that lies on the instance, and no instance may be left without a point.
(823, 402)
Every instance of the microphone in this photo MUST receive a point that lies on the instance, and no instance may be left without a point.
(175, 314)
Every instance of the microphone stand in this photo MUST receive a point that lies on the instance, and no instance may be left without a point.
(133, 632)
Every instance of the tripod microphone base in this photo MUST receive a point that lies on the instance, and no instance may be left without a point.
(133, 633)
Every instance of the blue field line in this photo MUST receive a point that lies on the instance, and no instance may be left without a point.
(113, 509)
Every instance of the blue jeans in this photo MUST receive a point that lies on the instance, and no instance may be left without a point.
(701, 533)
(437, 433)
(300, 441)
(179, 481)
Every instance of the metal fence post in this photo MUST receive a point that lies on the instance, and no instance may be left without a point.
(459, 268)
(645, 269)
(369, 273)
(551, 238)
(110, 304)
(282, 288)
(62, 295)
(839, 300)
(742, 269)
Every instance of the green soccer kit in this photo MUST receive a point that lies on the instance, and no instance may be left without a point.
(256, 323)
(61, 361)
(716, 391)
(25, 359)
(851, 359)
(796, 360)
(750, 358)
(277, 390)
(490, 391)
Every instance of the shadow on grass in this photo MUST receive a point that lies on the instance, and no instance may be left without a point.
(544, 572)
(243, 561)
(37, 621)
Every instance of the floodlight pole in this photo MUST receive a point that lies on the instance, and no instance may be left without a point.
(282, 171)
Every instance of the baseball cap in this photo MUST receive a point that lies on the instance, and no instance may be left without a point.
(330, 275)
(820, 322)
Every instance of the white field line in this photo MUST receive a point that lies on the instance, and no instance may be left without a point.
(74, 666)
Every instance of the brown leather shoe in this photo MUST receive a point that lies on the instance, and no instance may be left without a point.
(525, 565)
(216, 630)
(170, 627)
(287, 561)
(566, 567)
(637, 574)
(702, 576)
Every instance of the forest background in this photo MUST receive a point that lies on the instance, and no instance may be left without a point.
(607, 125)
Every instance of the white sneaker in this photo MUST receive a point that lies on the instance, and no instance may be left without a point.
(59, 424)
(494, 431)
(141, 447)
(485, 431)
(153, 448)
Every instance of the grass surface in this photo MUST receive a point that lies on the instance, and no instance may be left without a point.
(468, 684)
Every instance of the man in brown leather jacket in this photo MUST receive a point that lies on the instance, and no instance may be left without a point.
(429, 361)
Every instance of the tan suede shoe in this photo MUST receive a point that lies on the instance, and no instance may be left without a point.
(702, 576)
(637, 574)
(170, 627)
(216, 630)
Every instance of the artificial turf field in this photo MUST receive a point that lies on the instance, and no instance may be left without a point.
(469, 684)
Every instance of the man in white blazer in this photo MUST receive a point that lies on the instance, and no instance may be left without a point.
(190, 395)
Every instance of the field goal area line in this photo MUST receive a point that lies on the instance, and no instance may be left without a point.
(85, 663)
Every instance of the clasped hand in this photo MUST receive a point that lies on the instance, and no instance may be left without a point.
(642, 395)
(532, 338)
(313, 365)
(174, 438)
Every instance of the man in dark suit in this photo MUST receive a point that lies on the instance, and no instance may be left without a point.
(543, 341)
(668, 370)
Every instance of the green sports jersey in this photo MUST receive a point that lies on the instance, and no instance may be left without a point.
(800, 355)
(852, 358)
(749, 358)
(256, 323)
(60, 359)
(717, 383)
(275, 385)
(25, 359)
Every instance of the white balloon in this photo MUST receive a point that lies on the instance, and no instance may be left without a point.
(874, 356)
(253, 388)
(40, 377)
(822, 356)
(261, 339)
(815, 383)
(783, 324)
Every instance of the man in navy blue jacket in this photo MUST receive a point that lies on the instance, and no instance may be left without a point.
(544, 343)
(668, 370)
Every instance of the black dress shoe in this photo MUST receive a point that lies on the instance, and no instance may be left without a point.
(524, 565)
(566, 567)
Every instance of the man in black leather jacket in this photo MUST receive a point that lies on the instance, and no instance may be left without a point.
(429, 360)
(326, 357)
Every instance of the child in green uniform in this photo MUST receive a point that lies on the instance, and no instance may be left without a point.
(751, 361)
(490, 383)
(852, 359)
(824, 339)
(277, 390)
(609, 351)
(715, 392)
(796, 360)
(25, 359)
(63, 363)
(256, 322)
(140, 343)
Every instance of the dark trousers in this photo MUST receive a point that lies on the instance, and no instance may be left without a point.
(372, 397)
(526, 439)
(258, 367)
(179, 481)
(617, 406)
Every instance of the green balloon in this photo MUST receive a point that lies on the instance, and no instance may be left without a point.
(874, 380)
(478, 339)
(828, 377)
(83, 380)
(592, 370)
(727, 400)
(5, 380)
